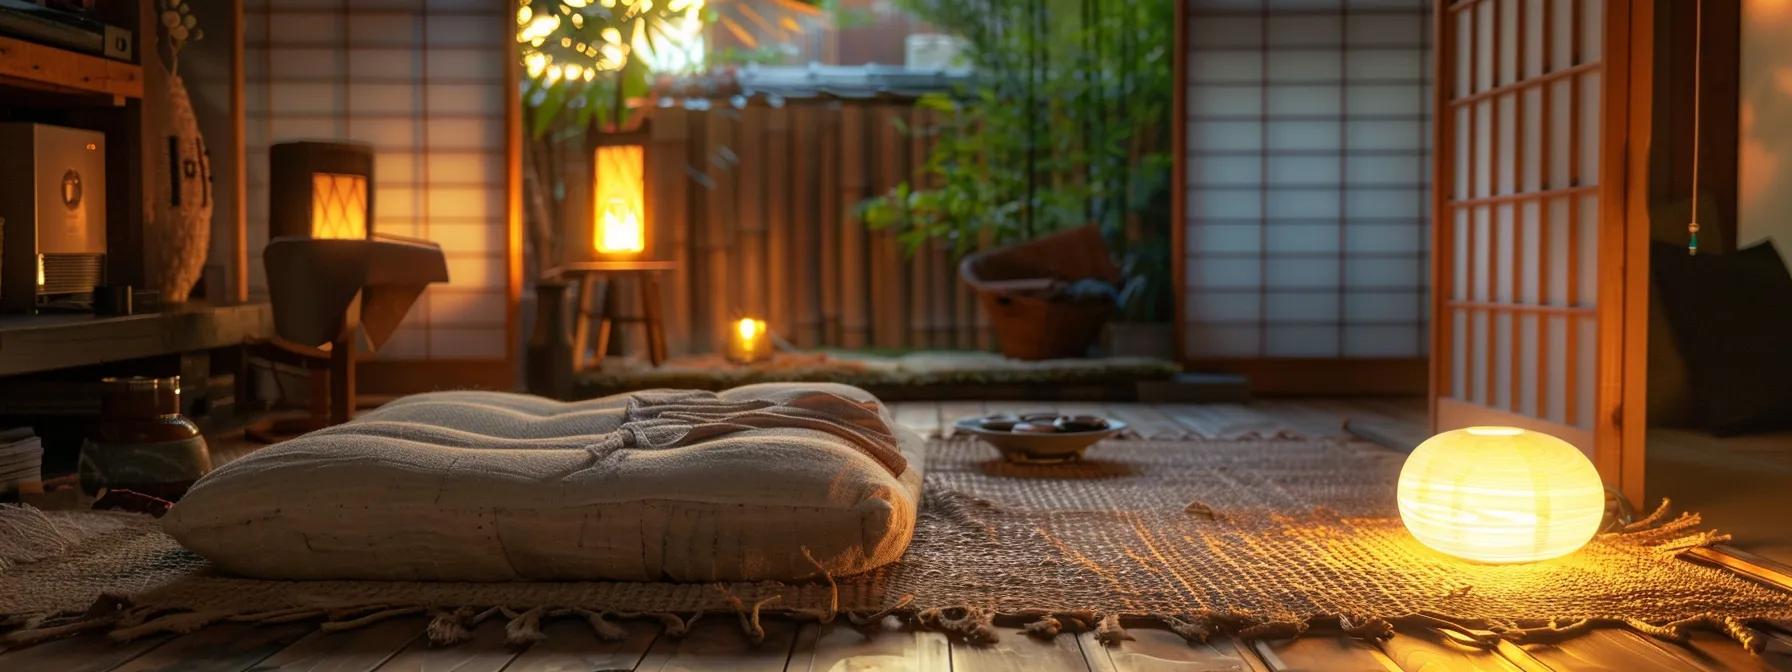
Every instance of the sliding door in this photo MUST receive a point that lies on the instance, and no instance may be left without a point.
(1304, 212)
(427, 84)
(1533, 284)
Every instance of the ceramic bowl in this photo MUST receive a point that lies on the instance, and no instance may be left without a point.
(1050, 448)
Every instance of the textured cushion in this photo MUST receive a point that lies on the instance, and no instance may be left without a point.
(745, 484)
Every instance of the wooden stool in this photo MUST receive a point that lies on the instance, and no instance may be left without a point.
(592, 308)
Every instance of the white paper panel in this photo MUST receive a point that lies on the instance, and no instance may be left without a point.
(420, 80)
(1308, 178)
(1539, 254)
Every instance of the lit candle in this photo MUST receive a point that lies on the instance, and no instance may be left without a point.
(748, 342)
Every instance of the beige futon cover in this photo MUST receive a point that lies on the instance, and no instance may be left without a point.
(487, 486)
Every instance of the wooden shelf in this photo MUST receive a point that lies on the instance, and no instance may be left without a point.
(39, 66)
(32, 343)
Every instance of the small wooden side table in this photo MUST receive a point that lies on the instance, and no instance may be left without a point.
(594, 309)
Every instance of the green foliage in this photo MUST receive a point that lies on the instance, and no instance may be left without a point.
(1066, 124)
(580, 104)
(585, 60)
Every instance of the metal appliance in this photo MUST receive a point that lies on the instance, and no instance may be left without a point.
(53, 202)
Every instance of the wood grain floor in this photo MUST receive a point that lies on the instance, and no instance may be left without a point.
(716, 644)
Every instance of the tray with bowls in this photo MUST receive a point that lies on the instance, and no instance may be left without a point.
(1040, 438)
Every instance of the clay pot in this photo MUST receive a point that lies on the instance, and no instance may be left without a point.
(142, 442)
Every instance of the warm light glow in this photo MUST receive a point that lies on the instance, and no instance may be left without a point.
(338, 205)
(619, 192)
(748, 342)
(666, 39)
(1501, 495)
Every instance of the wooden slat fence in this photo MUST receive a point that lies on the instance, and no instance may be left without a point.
(758, 205)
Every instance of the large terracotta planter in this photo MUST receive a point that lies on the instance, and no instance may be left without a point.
(1034, 328)
(1016, 286)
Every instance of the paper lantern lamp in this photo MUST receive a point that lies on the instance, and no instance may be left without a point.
(338, 206)
(1500, 495)
(618, 212)
(320, 190)
(748, 342)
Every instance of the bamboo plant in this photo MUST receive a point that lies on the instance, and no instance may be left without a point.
(1065, 123)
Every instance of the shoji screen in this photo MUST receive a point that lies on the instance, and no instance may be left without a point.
(423, 82)
(1520, 232)
(1307, 168)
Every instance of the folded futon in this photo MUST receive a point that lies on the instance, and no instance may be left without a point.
(776, 481)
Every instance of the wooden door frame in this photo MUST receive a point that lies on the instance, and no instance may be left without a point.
(1622, 390)
(1622, 298)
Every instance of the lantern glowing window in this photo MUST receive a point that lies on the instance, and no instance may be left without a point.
(1500, 495)
(338, 205)
(748, 341)
(618, 214)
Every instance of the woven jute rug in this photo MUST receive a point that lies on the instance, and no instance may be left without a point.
(1257, 538)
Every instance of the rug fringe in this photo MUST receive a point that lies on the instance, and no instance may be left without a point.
(368, 619)
(449, 627)
(1109, 632)
(27, 535)
(607, 631)
(524, 628)
(177, 623)
(971, 624)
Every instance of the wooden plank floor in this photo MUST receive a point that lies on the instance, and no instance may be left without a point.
(716, 643)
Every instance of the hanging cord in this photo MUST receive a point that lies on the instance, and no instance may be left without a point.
(1698, 65)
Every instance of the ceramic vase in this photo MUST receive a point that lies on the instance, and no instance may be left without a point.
(178, 234)
(142, 442)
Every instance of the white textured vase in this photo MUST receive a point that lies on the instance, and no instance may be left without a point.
(178, 233)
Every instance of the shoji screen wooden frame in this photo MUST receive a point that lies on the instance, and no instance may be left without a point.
(431, 84)
(1498, 300)
(1326, 112)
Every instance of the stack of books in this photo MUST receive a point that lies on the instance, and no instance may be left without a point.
(21, 459)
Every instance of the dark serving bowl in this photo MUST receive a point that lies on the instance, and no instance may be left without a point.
(1026, 448)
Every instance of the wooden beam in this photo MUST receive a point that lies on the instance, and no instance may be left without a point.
(1620, 392)
(513, 201)
(1633, 341)
(1179, 183)
(47, 342)
(50, 68)
(239, 152)
(1443, 226)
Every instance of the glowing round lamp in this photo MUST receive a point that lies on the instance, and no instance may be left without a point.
(1500, 495)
